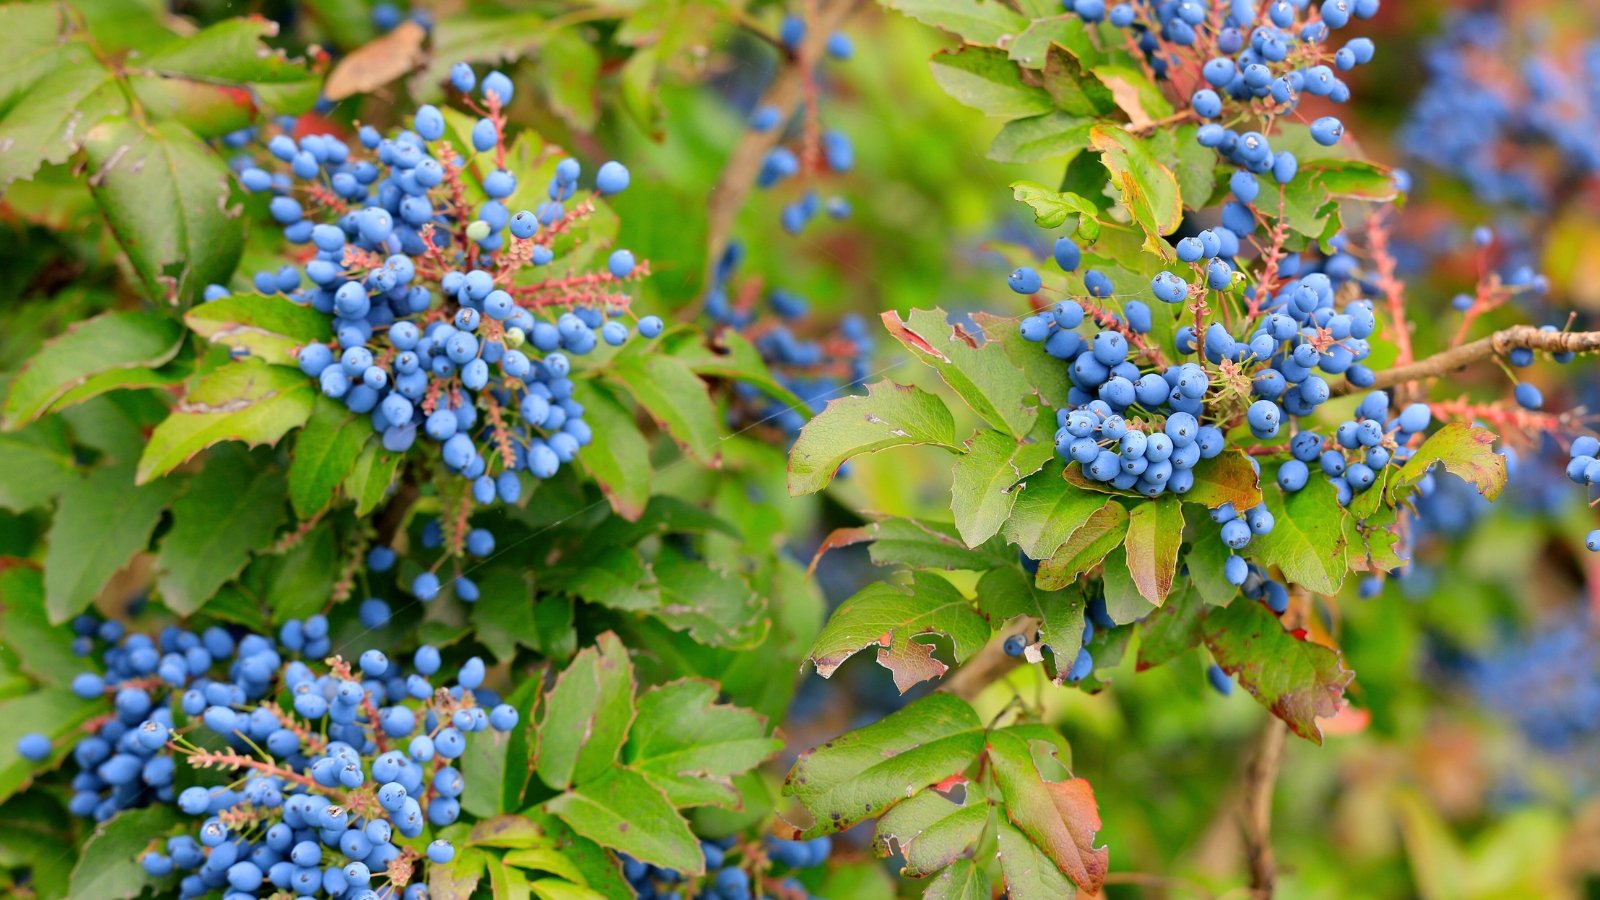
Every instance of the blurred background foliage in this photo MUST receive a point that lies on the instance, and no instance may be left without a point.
(1469, 764)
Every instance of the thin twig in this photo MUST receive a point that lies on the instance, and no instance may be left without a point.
(1260, 778)
(1498, 344)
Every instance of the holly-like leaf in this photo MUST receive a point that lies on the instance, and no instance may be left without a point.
(48, 122)
(983, 489)
(1007, 593)
(690, 746)
(1037, 138)
(1074, 90)
(1148, 188)
(1298, 680)
(961, 880)
(984, 22)
(890, 415)
(368, 481)
(231, 509)
(1059, 817)
(324, 454)
(1047, 511)
(101, 522)
(1466, 451)
(863, 774)
(1310, 542)
(619, 456)
(675, 397)
(933, 828)
(619, 808)
(165, 195)
(272, 328)
(586, 715)
(887, 616)
(1051, 209)
(1088, 545)
(1155, 531)
(981, 375)
(715, 605)
(108, 343)
(985, 79)
(243, 401)
(108, 865)
(1227, 477)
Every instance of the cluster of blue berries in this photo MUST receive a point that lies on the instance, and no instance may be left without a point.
(436, 328)
(1584, 469)
(793, 158)
(1361, 447)
(319, 798)
(816, 369)
(1490, 98)
(733, 872)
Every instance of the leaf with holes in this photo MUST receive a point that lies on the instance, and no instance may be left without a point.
(1465, 451)
(981, 375)
(1148, 188)
(887, 616)
(934, 827)
(1059, 817)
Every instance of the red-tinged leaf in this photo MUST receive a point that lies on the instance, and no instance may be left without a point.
(840, 537)
(888, 617)
(377, 63)
(983, 376)
(1299, 681)
(1060, 817)
(1465, 451)
(1087, 546)
(1155, 531)
(1226, 478)
(890, 415)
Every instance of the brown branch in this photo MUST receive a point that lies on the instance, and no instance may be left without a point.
(739, 175)
(984, 667)
(1260, 777)
(1497, 344)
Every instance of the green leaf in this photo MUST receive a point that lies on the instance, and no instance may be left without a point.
(458, 879)
(1466, 451)
(622, 810)
(1031, 47)
(231, 509)
(369, 479)
(890, 415)
(715, 605)
(39, 464)
(242, 401)
(931, 829)
(1029, 874)
(102, 521)
(888, 616)
(1124, 603)
(738, 359)
(1299, 681)
(1074, 90)
(982, 492)
(1155, 531)
(495, 764)
(1007, 593)
(982, 376)
(1087, 546)
(300, 582)
(1225, 478)
(1310, 541)
(675, 397)
(1352, 179)
(1043, 372)
(1051, 209)
(1040, 137)
(974, 21)
(613, 577)
(272, 328)
(863, 774)
(1206, 560)
(1170, 631)
(619, 456)
(41, 649)
(1148, 188)
(108, 866)
(1135, 94)
(49, 120)
(165, 195)
(962, 880)
(1048, 510)
(985, 79)
(1059, 817)
(586, 715)
(324, 455)
(690, 746)
(569, 69)
(503, 616)
(916, 544)
(109, 342)
(57, 713)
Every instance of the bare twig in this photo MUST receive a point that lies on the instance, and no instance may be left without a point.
(1260, 777)
(984, 668)
(1497, 344)
(739, 175)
